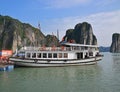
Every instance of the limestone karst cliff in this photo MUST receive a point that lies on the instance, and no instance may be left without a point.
(115, 46)
(82, 33)
(15, 34)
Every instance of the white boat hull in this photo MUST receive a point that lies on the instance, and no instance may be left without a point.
(50, 63)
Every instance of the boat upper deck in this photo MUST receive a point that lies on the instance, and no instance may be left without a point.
(64, 47)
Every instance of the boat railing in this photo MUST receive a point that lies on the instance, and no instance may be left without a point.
(55, 49)
(29, 48)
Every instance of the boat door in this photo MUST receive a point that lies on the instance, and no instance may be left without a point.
(79, 55)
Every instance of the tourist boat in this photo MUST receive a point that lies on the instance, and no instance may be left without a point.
(68, 54)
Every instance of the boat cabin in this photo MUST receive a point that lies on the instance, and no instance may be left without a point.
(68, 51)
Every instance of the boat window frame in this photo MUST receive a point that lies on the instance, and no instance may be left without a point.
(33, 55)
(27, 55)
(60, 55)
(90, 53)
(65, 55)
(44, 55)
(39, 55)
(54, 55)
(50, 55)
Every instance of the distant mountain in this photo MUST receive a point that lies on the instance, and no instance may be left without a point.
(14, 33)
(115, 46)
(82, 33)
(104, 49)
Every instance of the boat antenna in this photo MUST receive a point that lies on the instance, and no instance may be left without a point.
(39, 26)
(58, 34)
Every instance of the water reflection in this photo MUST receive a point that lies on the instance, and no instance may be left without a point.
(61, 79)
(116, 57)
(116, 62)
(58, 72)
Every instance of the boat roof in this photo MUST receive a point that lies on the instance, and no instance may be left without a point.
(80, 45)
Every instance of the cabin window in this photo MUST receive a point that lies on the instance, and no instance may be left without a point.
(65, 55)
(28, 55)
(79, 55)
(39, 55)
(55, 55)
(33, 55)
(49, 55)
(44, 55)
(90, 53)
(60, 55)
(21, 54)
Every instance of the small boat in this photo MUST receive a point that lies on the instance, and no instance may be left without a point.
(6, 67)
(68, 54)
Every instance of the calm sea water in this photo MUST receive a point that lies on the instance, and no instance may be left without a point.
(102, 77)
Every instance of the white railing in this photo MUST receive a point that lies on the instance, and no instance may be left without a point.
(56, 49)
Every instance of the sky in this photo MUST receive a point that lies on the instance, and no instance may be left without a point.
(53, 15)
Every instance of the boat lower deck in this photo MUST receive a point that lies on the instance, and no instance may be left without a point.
(47, 62)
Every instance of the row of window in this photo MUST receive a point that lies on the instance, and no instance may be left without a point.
(47, 55)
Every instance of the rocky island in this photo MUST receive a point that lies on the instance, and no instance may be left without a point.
(115, 46)
(82, 34)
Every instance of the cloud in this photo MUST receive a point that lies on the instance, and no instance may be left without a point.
(104, 25)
